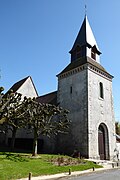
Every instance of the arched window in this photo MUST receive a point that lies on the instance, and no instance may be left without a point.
(101, 90)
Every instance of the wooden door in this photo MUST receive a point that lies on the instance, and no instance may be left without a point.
(101, 141)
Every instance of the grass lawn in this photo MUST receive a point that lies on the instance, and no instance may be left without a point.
(18, 165)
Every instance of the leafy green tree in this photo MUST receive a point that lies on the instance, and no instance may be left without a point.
(3, 104)
(46, 119)
(117, 127)
(12, 112)
(16, 116)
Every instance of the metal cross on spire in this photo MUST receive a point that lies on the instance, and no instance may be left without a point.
(85, 9)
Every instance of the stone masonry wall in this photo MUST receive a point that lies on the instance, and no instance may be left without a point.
(100, 111)
(72, 95)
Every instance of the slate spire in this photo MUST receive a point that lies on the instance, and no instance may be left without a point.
(85, 43)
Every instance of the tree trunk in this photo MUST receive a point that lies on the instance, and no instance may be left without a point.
(34, 153)
(13, 139)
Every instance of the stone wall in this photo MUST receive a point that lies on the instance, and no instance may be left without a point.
(80, 94)
(72, 95)
(100, 110)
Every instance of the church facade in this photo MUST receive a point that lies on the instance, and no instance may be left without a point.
(85, 89)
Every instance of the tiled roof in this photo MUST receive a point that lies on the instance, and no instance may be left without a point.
(82, 61)
(50, 98)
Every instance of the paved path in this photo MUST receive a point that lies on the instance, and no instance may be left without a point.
(113, 174)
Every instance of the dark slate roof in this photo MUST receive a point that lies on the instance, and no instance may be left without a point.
(50, 98)
(85, 37)
(18, 84)
(81, 61)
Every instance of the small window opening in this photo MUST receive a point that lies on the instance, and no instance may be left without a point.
(78, 52)
(93, 53)
(101, 90)
(71, 90)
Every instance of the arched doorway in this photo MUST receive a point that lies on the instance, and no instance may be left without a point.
(103, 142)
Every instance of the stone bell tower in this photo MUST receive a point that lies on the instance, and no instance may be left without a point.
(85, 89)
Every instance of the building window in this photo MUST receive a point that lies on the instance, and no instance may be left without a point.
(93, 55)
(71, 90)
(78, 52)
(93, 52)
(101, 90)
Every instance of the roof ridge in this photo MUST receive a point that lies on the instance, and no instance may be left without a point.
(17, 85)
(48, 93)
(85, 36)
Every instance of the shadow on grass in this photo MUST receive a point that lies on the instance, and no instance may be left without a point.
(14, 157)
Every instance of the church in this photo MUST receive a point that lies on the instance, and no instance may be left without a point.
(85, 89)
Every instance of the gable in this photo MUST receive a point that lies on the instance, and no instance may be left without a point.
(25, 87)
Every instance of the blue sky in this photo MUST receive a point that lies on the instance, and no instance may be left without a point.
(36, 36)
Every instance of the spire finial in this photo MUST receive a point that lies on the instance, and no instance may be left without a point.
(85, 9)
